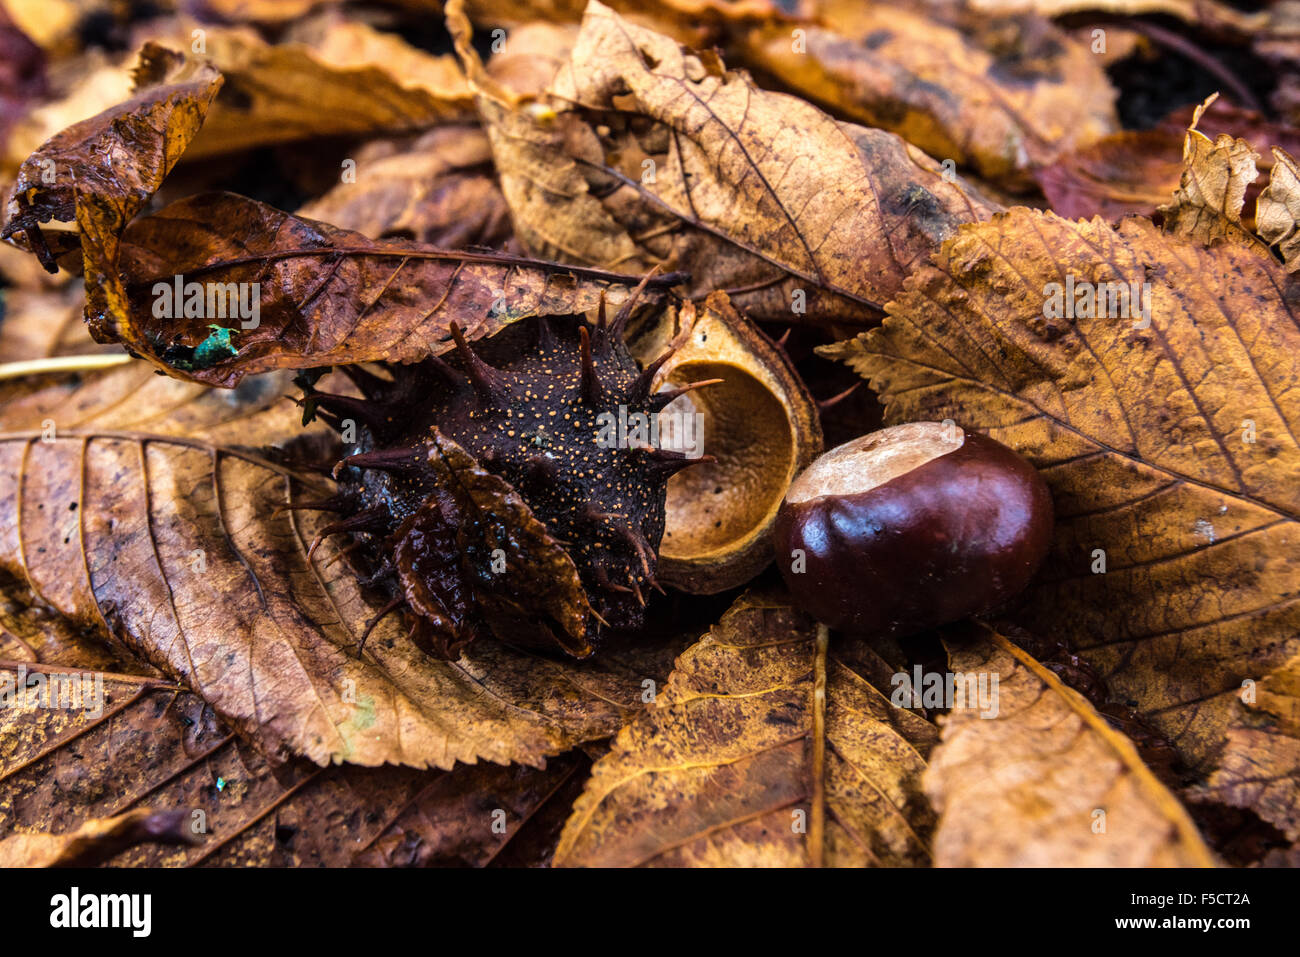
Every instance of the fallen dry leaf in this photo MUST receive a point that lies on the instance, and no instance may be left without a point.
(173, 547)
(343, 78)
(1056, 785)
(439, 190)
(651, 154)
(1136, 171)
(1277, 212)
(1170, 448)
(1216, 173)
(60, 767)
(1002, 109)
(153, 748)
(730, 766)
(120, 156)
(470, 816)
(323, 295)
(1259, 767)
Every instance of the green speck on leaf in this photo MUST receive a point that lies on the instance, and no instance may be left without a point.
(214, 348)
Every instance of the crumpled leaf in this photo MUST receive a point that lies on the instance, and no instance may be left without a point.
(439, 190)
(1207, 204)
(1134, 171)
(652, 154)
(120, 156)
(173, 547)
(325, 296)
(1170, 450)
(1023, 788)
(1259, 768)
(725, 767)
(1277, 211)
(1002, 108)
(539, 600)
(95, 841)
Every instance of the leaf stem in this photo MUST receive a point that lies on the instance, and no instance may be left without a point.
(61, 364)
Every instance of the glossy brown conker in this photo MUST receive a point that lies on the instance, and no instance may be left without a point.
(911, 527)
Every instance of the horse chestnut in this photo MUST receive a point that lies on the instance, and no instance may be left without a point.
(911, 527)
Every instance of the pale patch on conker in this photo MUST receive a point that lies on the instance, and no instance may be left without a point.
(872, 460)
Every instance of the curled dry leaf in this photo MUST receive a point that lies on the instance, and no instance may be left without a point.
(652, 154)
(324, 296)
(1259, 767)
(541, 602)
(762, 750)
(174, 548)
(120, 156)
(1044, 781)
(1277, 212)
(1168, 439)
(439, 190)
(1134, 171)
(1216, 173)
(96, 840)
(1001, 108)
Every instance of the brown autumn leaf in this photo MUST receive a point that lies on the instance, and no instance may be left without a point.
(153, 748)
(1170, 446)
(323, 295)
(97, 840)
(439, 190)
(1277, 212)
(1002, 109)
(60, 767)
(1134, 171)
(128, 398)
(259, 413)
(141, 138)
(763, 749)
(330, 77)
(1056, 785)
(651, 154)
(173, 547)
(100, 83)
(531, 55)
(1212, 190)
(39, 323)
(470, 816)
(1259, 767)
